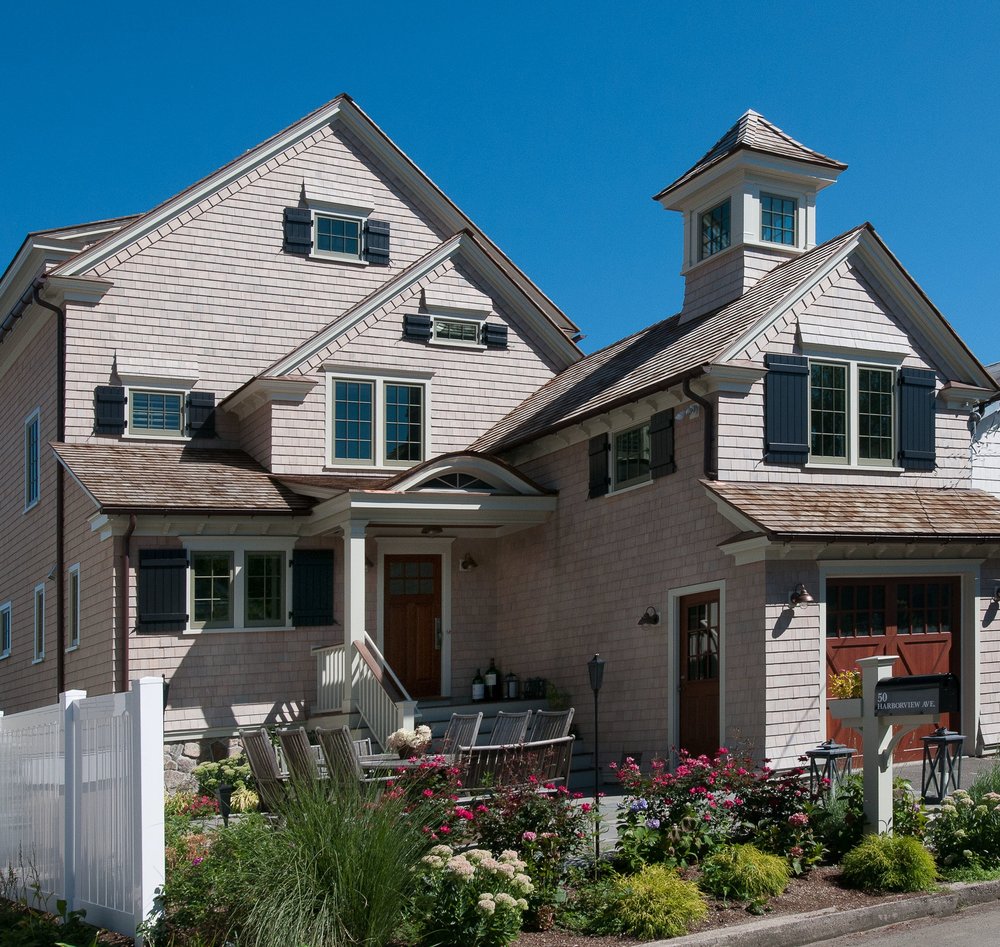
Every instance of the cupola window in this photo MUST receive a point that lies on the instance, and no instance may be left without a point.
(715, 230)
(777, 219)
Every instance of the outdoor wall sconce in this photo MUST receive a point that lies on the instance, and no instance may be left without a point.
(649, 617)
(800, 596)
(467, 563)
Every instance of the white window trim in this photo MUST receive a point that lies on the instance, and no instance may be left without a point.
(39, 615)
(146, 435)
(458, 343)
(7, 608)
(853, 459)
(614, 486)
(379, 382)
(796, 227)
(238, 548)
(35, 418)
(73, 603)
(707, 209)
(339, 213)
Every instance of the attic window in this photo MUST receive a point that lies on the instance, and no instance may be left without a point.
(456, 331)
(457, 481)
(715, 230)
(338, 236)
(777, 219)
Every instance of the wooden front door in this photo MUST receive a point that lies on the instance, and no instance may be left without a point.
(412, 625)
(915, 618)
(699, 673)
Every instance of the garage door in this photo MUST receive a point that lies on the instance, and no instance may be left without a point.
(915, 618)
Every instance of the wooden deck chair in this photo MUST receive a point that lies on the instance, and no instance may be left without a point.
(271, 785)
(363, 747)
(462, 731)
(550, 724)
(509, 729)
(299, 755)
(342, 760)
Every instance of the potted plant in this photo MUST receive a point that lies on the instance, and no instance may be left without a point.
(409, 743)
(844, 695)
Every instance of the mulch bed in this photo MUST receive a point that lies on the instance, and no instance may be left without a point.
(819, 889)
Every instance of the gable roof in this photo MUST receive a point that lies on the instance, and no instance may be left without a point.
(808, 512)
(139, 478)
(752, 132)
(653, 359)
(342, 110)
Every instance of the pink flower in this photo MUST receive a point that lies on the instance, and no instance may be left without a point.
(428, 793)
(798, 818)
(529, 836)
(586, 807)
(444, 829)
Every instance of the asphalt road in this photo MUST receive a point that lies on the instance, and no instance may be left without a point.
(977, 926)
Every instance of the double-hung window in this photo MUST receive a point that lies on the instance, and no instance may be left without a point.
(851, 413)
(74, 607)
(5, 629)
(156, 413)
(212, 589)
(338, 236)
(630, 460)
(32, 458)
(378, 421)
(39, 621)
(715, 230)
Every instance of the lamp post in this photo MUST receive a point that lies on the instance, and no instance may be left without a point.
(595, 666)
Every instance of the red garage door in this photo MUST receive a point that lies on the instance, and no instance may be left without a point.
(915, 618)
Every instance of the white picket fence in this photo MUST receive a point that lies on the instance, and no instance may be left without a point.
(81, 803)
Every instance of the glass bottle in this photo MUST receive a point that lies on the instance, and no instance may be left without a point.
(492, 680)
(478, 687)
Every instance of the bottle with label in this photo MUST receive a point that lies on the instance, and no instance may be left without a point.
(478, 687)
(492, 682)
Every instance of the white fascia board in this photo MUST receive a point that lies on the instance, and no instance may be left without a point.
(84, 290)
(263, 390)
(745, 551)
(963, 397)
(730, 379)
(743, 523)
(25, 268)
(482, 467)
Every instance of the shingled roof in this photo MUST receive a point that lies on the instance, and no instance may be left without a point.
(752, 132)
(787, 511)
(651, 360)
(127, 478)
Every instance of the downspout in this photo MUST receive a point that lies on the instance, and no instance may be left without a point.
(123, 611)
(60, 314)
(710, 464)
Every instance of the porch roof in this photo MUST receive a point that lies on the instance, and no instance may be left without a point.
(809, 512)
(140, 478)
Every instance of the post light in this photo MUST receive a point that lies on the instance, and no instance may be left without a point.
(830, 761)
(942, 769)
(595, 667)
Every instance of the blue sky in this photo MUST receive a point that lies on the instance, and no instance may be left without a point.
(550, 124)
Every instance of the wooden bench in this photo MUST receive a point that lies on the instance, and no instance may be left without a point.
(487, 768)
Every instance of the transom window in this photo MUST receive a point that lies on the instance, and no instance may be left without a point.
(630, 463)
(5, 629)
(715, 235)
(851, 413)
(465, 331)
(866, 608)
(159, 413)
(378, 422)
(32, 446)
(457, 481)
(338, 236)
(777, 219)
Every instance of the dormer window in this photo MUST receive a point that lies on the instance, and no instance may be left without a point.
(715, 230)
(777, 219)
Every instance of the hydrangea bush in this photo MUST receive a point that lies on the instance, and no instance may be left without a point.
(473, 899)
(966, 833)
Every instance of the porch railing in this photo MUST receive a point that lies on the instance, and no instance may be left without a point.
(374, 689)
(379, 695)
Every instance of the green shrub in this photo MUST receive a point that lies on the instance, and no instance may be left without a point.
(987, 782)
(468, 900)
(966, 833)
(744, 873)
(839, 820)
(234, 772)
(652, 904)
(889, 863)
(909, 815)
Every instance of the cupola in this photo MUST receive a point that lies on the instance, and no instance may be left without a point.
(748, 205)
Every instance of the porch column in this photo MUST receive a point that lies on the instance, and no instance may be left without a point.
(354, 600)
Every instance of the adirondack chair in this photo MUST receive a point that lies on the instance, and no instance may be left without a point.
(550, 724)
(299, 755)
(538, 764)
(509, 729)
(342, 760)
(264, 766)
(462, 731)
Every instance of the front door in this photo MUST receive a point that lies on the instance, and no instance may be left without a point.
(699, 673)
(412, 627)
(916, 618)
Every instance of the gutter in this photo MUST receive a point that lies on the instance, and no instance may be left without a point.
(123, 611)
(710, 462)
(60, 314)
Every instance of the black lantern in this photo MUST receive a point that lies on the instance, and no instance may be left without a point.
(595, 667)
(829, 764)
(942, 770)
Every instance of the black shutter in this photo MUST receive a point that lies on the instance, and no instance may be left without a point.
(109, 409)
(661, 444)
(298, 231)
(917, 406)
(161, 590)
(599, 479)
(377, 242)
(201, 413)
(495, 334)
(786, 409)
(417, 327)
(312, 587)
